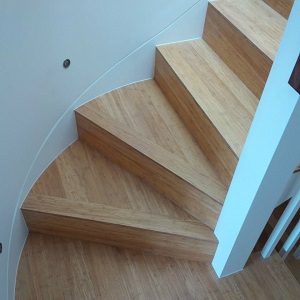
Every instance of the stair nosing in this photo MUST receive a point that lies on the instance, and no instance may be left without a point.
(241, 33)
(267, 53)
(39, 206)
(196, 98)
(190, 179)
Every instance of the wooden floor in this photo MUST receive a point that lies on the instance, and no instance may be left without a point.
(145, 109)
(54, 268)
(57, 268)
(81, 173)
(283, 7)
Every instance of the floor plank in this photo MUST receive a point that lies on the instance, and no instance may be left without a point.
(214, 103)
(126, 228)
(139, 138)
(246, 35)
(81, 173)
(54, 268)
(283, 7)
(246, 15)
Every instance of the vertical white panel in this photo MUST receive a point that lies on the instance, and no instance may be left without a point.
(270, 154)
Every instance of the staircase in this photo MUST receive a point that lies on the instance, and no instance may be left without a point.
(154, 160)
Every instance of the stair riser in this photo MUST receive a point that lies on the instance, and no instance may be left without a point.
(237, 51)
(179, 191)
(206, 135)
(116, 235)
(283, 7)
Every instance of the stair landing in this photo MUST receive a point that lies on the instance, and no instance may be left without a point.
(56, 268)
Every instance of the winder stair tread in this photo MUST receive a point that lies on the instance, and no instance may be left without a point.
(136, 127)
(223, 97)
(246, 35)
(82, 195)
(133, 229)
(83, 174)
(256, 20)
(215, 104)
(283, 7)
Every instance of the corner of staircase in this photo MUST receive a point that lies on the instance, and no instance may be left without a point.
(155, 159)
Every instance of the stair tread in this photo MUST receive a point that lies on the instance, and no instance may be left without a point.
(256, 20)
(223, 97)
(82, 174)
(83, 195)
(143, 108)
(283, 7)
(141, 116)
(111, 215)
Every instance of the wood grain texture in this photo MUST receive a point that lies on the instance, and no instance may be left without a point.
(294, 266)
(247, 15)
(211, 100)
(144, 108)
(55, 268)
(283, 7)
(174, 178)
(249, 53)
(115, 145)
(83, 174)
(120, 227)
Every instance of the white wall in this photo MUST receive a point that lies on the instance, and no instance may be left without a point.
(110, 44)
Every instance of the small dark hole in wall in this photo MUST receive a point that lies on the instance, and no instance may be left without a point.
(0, 247)
(66, 63)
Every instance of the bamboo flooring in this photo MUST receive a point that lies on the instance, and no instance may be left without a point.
(136, 127)
(215, 104)
(247, 15)
(145, 109)
(283, 7)
(54, 268)
(246, 36)
(82, 174)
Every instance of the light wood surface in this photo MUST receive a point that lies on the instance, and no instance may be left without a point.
(54, 268)
(152, 233)
(109, 205)
(83, 195)
(198, 193)
(250, 14)
(283, 7)
(82, 174)
(249, 53)
(213, 102)
(144, 108)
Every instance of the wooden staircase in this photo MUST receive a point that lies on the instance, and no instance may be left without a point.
(155, 159)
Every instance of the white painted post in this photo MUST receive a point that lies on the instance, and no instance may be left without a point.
(281, 225)
(290, 242)
(269, 157)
